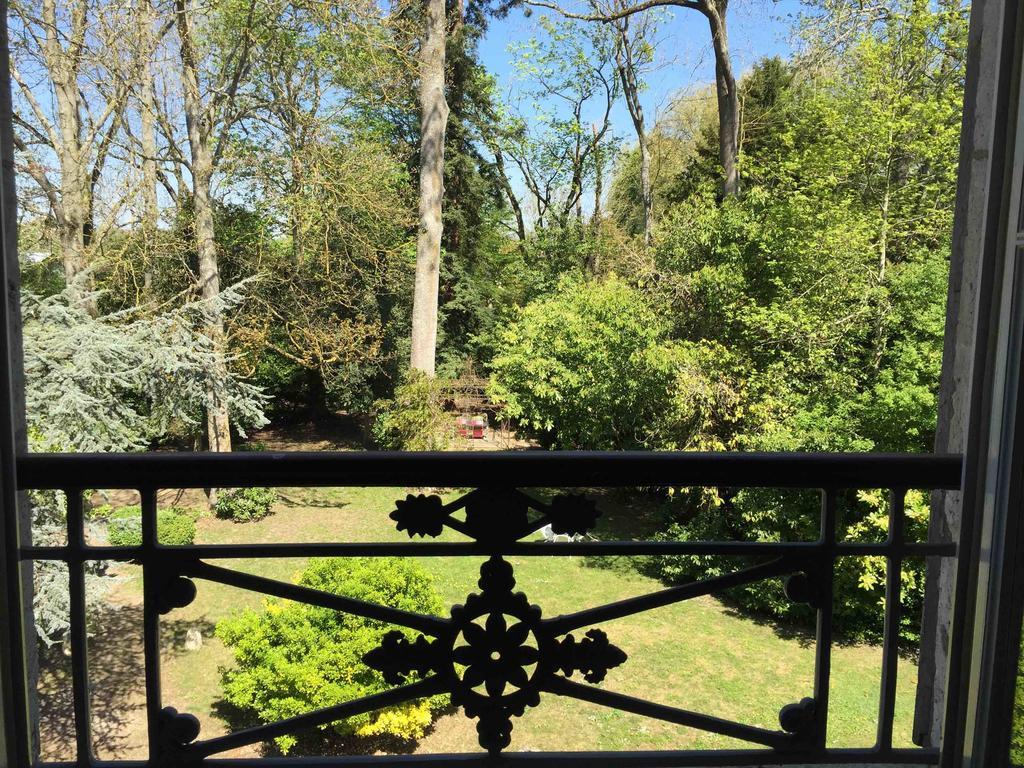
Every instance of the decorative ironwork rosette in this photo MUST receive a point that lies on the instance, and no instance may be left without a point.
(497, 657)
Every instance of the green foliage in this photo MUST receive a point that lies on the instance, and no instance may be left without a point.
(175, 526)
(244, 505)
(416, 419)
(770, 515)
(117, 382)
(825, 279)
(291, 658)
(590, 367)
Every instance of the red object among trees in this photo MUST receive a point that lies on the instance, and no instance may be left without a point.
(471, 427)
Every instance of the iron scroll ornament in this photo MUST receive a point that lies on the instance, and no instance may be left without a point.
(495, 516)
(497, 656)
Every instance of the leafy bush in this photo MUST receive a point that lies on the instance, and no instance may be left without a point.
(175, 526)
(770, 515)
(244, 505)
(589, 367)
(250, 446)
(416, 419)
(291, 658)
(52, 604)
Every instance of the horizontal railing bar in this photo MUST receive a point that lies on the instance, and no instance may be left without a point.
(617, 759)
(498, 469)
(471, 549)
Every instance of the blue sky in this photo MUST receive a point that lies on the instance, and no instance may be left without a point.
(757, 28)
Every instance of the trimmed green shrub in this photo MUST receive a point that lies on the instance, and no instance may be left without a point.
(416, 419)
(244, 505)
(175, 526)
(291, 658)
(590, 367)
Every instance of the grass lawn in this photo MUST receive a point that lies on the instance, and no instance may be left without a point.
(697, 654)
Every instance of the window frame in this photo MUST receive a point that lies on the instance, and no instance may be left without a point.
(990, 572)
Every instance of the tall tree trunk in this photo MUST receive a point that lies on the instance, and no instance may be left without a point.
(147, 130)
(646, 193)
(63, 64)
(728, 97)
(296, 184)
(197, 120)
(217, 422)
(433, 123)
(513, 201)
(72, 233)
(592, 260)
(147, 124)
(598, 177)
(631, 90)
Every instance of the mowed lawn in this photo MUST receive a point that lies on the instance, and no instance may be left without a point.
(697, 654)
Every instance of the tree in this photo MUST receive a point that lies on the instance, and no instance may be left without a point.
(433, 122)
(473, 191)
(210, 113)
(325, 218)
(677, 149)
(714, 11)
(119, 381)
(826, 279)
(111, 383)
(147, 109)
(634, 52)
(320, 328)
(571, 76)
(71, 50)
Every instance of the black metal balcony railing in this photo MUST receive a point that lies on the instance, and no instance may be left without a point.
(498, 654)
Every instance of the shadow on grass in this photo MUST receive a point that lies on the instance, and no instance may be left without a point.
(116, 681)
(627, 514)
(803, 632)
(633, 514)
(800, 632)
(308, 498)
(328, 431)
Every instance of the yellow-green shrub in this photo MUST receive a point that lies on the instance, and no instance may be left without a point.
(292, 658)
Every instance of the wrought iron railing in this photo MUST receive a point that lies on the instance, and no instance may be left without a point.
(498, 653)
